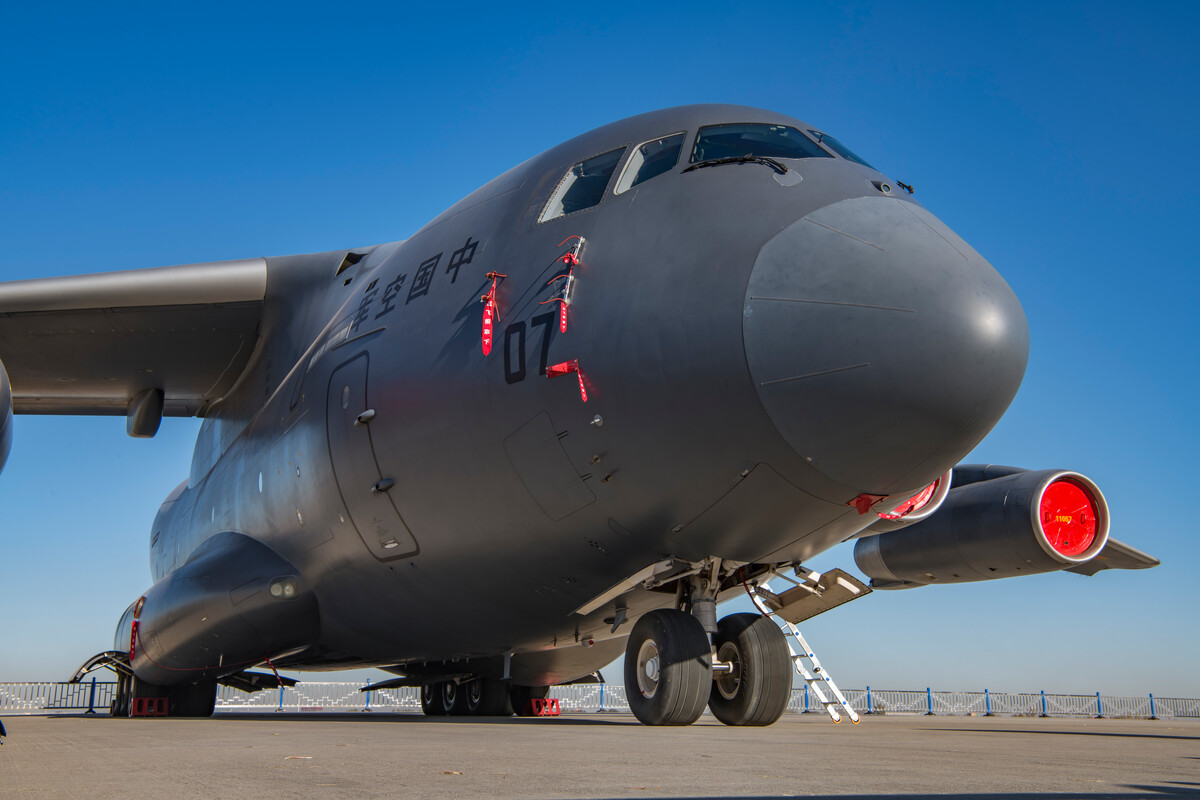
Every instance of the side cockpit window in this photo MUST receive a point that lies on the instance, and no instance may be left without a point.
(583, 186)
(753, 139)
(650, 160)
(839, 148)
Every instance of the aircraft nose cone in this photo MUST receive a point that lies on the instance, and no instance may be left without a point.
(883, 347)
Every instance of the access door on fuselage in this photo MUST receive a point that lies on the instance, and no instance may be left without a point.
(364, 490)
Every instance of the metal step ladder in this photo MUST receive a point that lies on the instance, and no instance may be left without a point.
(814, 675)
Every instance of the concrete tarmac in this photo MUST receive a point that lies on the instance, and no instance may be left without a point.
(375, 755)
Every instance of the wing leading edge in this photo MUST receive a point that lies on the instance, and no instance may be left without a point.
(109, 343)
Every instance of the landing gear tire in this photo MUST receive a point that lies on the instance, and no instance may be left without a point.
(121, 697)
(756, 690)
(522, 697)
(183, 700)
(454, 697)
(668, 668)
(485, 697)
(433, 702)
(192, 700)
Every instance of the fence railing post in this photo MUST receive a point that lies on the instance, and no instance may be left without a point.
(928, 701)
(869, 711)
(602, 697)
(280, 698)
(92, 698)
(1044, 714)
(987, 703)
(806, 698)
(1099, 707)
(1152, 715)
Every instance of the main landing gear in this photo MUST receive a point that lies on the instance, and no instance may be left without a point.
(480, 697)
(184, 700)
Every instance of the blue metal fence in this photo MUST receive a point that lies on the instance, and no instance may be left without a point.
(94, 696)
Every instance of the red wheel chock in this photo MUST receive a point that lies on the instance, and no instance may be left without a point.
(547, 707)
(149, 707)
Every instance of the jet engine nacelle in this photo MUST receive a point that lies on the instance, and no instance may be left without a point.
(234, 604)
(5, 416)
(1019, 523)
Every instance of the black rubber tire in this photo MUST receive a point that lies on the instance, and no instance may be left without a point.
(454, 698)
(674, 645)
(119, 707)
(183, 700)
(432, 703)
(192, 700)
(758, 689)
(486, 697)
(522, 695)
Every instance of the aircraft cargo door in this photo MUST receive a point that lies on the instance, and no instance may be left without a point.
(364, 490)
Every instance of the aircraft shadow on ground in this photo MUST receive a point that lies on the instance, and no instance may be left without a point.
(1138, 793)
(419, 719)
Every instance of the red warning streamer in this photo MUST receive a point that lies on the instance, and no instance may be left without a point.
(563, 300)
(565, 368)
(489, 313)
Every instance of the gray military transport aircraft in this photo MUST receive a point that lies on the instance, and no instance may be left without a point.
(690, 350)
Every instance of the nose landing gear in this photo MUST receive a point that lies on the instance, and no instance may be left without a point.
(679, 660)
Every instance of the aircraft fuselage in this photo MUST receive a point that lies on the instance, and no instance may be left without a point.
(757, 348)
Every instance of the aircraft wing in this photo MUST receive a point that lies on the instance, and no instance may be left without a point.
(91, 344)
(1116, 555)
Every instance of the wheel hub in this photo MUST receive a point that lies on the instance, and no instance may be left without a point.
(730, 681)
(648, 668)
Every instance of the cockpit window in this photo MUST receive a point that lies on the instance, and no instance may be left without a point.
(745, 139)
(650, 160)
(839, 148)
(583, 186)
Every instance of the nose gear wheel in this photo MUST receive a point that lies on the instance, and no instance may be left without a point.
(668, 668)
(756, 689)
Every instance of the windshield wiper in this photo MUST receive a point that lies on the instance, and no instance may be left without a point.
(749, 158)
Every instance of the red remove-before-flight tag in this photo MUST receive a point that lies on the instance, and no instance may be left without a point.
(489, 313)
(489, 318)
(566, 368)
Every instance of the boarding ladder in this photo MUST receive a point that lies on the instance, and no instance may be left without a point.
(814, 675)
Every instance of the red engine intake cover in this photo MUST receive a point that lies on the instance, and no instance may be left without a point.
(1069, 517)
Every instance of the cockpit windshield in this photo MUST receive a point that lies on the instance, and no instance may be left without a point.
(839, 148)
(744, 139)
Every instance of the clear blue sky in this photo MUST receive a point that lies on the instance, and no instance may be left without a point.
(1059, 139)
